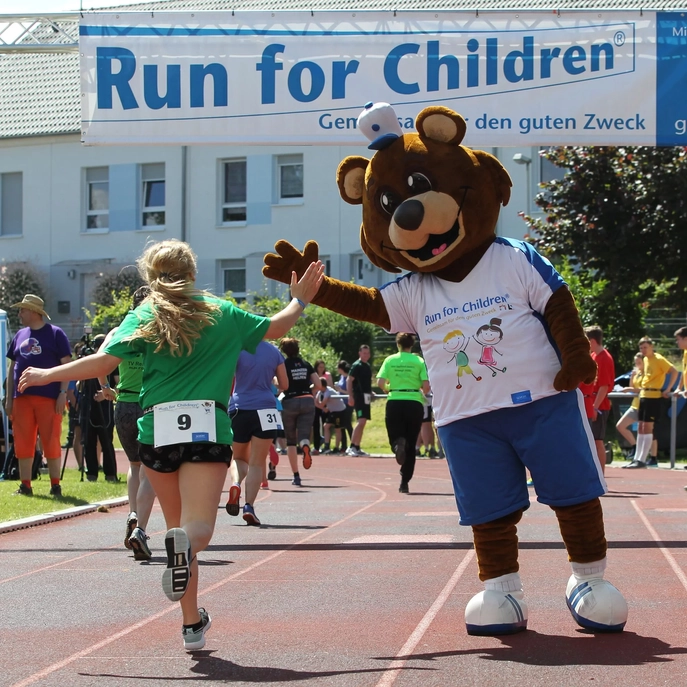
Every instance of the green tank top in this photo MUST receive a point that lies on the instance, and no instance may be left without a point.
(130, 380)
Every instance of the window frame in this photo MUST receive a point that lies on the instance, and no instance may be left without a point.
(88, 212)
(234, 265)
(4, 233)
(144, 209)
(280, 163)
(228, 205)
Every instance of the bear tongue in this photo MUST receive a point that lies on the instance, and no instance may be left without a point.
(440, 249)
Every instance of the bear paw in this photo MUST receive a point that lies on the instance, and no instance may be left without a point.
(596, 604)
(496, 613)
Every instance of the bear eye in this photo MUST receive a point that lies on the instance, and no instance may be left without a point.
(419, 183)
(389, 202)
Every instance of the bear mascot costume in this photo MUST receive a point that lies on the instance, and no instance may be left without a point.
(504, 347)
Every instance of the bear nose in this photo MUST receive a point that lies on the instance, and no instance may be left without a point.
(409, 215)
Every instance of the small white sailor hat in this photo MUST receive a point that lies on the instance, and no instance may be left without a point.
(379, 123)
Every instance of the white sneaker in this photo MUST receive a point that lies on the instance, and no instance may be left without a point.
(596, 604)
(496, 613)
(350, 451)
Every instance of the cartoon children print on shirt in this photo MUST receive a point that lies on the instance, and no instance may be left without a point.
(456, 342)
(487, 336)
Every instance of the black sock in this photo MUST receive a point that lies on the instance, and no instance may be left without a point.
(295, 474)
(197, 626)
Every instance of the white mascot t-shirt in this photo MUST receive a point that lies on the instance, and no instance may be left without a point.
(484, 340)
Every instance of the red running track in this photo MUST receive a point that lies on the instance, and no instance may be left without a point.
(348, 583)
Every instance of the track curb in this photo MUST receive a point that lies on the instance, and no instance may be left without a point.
(47, 518)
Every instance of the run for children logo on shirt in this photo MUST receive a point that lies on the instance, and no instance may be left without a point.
(498, 303)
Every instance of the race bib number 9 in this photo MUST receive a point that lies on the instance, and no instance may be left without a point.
(270, 418)
(184, 422)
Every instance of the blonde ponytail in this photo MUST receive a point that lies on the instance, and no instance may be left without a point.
(179, 311)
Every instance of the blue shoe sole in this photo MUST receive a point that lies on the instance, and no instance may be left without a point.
(492, 630)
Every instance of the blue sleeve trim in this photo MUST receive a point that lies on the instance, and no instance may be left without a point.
(408, 275)
(543, 267)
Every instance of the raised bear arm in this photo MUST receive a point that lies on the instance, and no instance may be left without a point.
(350, 300)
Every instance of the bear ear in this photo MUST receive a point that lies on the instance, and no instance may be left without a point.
(500, 178)
(350, 177)
(441, 124)
(373, 257)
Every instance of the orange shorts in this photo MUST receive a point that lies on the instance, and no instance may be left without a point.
(32, 416)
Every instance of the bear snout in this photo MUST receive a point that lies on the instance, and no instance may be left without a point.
(409, 215)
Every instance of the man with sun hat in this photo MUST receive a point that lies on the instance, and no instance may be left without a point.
(37, 411)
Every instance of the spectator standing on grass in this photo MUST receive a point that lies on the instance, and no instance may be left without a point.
(255, 421)
(37, 411)
(190, 341)
(404, 376)
(359, 387)
(298, 406)
(333, 410)
(681, 341)
(343, 368)
(320, 368)
(426, 440)
(631, 415)
(597, 404)
(653, 387)
(100, 430)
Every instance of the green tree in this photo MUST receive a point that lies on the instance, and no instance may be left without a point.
(16, 280)
(106, 317)
(110, 285)
(623, 321)
(618, 216)
(322, 334)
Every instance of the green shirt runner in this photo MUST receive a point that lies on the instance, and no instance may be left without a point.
(130, 380)
(206, 374)
(404, 372)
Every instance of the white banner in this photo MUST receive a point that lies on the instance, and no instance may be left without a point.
(519, 79)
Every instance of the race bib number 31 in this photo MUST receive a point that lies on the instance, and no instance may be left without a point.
(270, 419)
(184, 422)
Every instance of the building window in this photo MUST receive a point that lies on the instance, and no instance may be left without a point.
(289, 178)
(327, 262)
(233, 191)
(97, 198)
(153, 198)
(11, 204)
(233, 274)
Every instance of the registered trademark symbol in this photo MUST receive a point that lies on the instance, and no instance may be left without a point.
(619, 38)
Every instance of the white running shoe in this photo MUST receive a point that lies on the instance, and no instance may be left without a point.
(596, 604)
(496, 613)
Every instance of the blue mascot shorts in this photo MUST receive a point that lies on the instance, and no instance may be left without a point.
(487, 455)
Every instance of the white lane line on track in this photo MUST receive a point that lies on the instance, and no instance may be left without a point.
(395, 667)
(667, 555)
(156, 616)
(264, 496)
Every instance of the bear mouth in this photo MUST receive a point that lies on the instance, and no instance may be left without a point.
(436, 244)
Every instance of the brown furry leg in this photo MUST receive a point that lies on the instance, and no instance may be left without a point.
(582, 529)
(496, 545)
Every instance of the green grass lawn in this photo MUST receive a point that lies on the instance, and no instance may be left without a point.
(75, 493)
